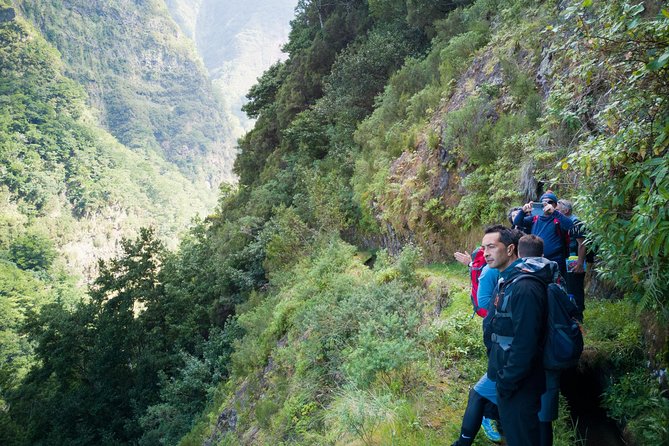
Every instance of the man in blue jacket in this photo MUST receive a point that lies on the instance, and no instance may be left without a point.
(517, 330)
(552, 227)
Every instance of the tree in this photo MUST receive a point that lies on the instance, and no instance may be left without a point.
(32, 252)
(98, 363)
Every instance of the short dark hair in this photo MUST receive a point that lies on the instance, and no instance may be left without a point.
(506, 235)
(530, 246)
(509, 215)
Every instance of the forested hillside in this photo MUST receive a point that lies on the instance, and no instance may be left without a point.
(144, 77)
(317, 304)
(70, 192)
(67, 179)
(237, 42)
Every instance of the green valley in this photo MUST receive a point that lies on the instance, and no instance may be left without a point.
(316, 300)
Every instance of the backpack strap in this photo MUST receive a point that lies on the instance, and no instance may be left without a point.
(506, 341)
(505, 300)
(563, 236)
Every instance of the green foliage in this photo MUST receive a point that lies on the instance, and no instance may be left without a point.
(263, 94)
(361, 327)
(622, 161)
(457, 337)
(633, 397)
(360, 72)
(613, 331)
(21, 294)
(184, 395)
(469, 129)
(381, 348)
(287, 239)
(423, 13)
(360, 413)
(32, 252)
(127, 71)
(486, 132)
(456, 55)
(138, 352)
(635, 401)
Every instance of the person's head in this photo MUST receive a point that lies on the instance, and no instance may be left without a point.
(500, 246)
(549, 198)
(565, 207)
(511, 215)
(530, 246)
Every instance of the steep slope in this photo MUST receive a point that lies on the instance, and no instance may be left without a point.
(237, 42)
(185, 14)
(308, 308)
(146, 79)
(510, 98)
(65, 176)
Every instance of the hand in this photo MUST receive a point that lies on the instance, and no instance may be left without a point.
(548, 209)
(527, 207)
(463, 257)
(578, 268)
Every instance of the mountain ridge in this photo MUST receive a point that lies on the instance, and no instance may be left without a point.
(236, 42)
(145, 78)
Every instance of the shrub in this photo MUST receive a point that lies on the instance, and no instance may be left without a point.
(636, 401)
(381, 347)
(456, 55)
(32, 252)
(360, 413)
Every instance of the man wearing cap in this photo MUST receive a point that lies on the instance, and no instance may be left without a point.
(552, 227)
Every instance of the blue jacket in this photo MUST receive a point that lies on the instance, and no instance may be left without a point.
(487, 284)
(544, 227)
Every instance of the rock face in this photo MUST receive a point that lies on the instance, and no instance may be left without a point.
(146, 79)
(237, 42)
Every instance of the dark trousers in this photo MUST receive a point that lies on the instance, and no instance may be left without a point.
(490, 410)
(576, 287)
(519, 412)
(477, 407)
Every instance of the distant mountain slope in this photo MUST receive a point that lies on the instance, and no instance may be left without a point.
(62, 175)
(145, 77)
(184, 13)
(237, 41)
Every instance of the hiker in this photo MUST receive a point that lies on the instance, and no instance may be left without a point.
(481, 409)
(531, 246)
(553, 228)
(511, 215)
(517, 331)
(575, 278)
(483, 395)
(476, 264)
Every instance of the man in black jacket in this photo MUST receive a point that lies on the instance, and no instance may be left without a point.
(517, 327)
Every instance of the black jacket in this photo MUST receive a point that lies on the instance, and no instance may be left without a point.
(518, 331)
